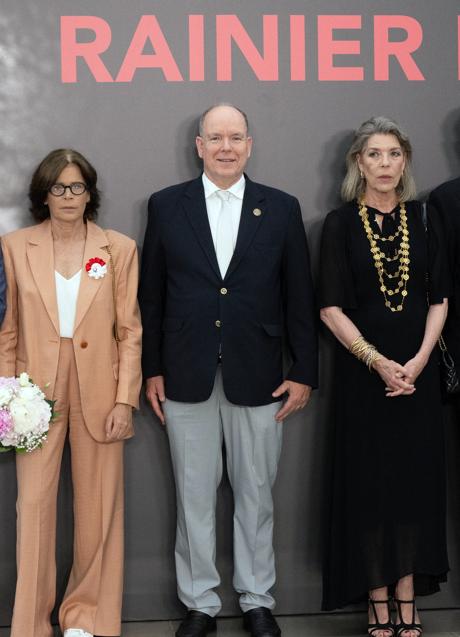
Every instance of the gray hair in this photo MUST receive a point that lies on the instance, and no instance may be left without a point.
(211, 108)
(354, 185)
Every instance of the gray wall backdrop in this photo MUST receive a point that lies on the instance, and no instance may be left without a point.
(139, 135)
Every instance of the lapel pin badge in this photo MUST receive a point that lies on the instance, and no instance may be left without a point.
(257, 212)
(96, 268)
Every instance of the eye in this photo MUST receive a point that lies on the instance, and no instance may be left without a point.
(396, 153)
(237, 139)
(373, 153)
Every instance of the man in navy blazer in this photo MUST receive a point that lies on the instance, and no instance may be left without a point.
(225, 276)
(2, 289)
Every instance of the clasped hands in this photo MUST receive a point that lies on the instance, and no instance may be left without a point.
(298, 396)
(399, 379)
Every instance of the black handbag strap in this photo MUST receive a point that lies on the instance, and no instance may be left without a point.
(449, 364)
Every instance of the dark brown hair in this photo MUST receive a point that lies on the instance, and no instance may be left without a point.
(48, 171)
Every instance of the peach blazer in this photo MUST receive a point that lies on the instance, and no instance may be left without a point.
(108, 371)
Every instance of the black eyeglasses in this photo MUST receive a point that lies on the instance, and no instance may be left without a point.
(76, 188)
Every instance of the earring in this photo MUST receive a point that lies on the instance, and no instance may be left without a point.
(361, 174)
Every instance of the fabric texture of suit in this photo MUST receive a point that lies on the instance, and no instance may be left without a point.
(191, 317)
(190, 313)
(108, 371)
(2, 289)
(446, 199)
(86, 375)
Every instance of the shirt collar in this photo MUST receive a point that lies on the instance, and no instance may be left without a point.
(210, 188)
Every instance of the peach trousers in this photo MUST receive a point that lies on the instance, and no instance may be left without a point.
(94, 592)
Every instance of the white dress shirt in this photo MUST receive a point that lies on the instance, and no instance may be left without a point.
(214, 203)
(67, 294)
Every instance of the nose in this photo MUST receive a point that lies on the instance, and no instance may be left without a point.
(67, 192)
(385, 159)
(226, 145)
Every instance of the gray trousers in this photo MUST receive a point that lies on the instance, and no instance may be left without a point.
(253, 444)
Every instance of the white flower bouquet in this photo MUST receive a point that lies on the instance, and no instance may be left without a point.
(25, 414)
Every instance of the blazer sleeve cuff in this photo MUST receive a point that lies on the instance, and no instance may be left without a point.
(309, 378)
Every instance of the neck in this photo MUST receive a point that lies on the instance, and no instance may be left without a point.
(68, 231)
(383, 201)
(223, 184)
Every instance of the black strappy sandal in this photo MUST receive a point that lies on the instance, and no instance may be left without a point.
(373, 628)
(402, 626)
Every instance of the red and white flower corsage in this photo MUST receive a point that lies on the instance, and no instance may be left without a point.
(96, 268)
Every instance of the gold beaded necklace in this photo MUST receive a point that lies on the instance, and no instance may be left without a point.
(402, 255)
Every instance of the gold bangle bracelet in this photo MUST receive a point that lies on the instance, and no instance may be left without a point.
(364, 351)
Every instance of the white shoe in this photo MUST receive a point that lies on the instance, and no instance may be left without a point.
(76, 632)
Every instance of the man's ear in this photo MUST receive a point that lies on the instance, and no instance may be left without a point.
(199, 146)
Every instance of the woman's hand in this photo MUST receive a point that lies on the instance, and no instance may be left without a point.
(414, 368)
(119, 422)
(397, 378)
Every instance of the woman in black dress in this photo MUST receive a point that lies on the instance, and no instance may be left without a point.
(378, 268)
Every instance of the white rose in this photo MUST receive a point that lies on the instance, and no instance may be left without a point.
(24, 418)
(6, 395)
(30, 416)
(31, 392)
(24, 379)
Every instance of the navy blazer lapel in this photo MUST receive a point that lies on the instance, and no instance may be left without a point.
(252, 214)
(195, 207)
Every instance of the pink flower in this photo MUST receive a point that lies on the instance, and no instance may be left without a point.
(6, 423)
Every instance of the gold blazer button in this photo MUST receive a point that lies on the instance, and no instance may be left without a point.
(83, 344)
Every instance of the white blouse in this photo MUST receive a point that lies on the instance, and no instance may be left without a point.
(67, 294)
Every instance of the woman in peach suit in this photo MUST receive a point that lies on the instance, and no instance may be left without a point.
(72, 323)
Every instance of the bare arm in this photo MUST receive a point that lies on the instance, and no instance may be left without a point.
(434, 323)
(392, 373)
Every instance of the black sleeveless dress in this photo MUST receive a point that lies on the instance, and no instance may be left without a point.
(387, 500)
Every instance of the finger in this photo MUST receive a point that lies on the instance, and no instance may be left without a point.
(117, 426)
(401, 383)
(279, 415)
(126, 427)
(401, 392)
(401, 369)
(115, 432)
(160, 387)
(157, 409)
(280, 390)
(108, 426)
(122, 430)
(287, 408)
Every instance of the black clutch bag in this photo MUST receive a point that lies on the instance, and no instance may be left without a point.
(450, 381)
